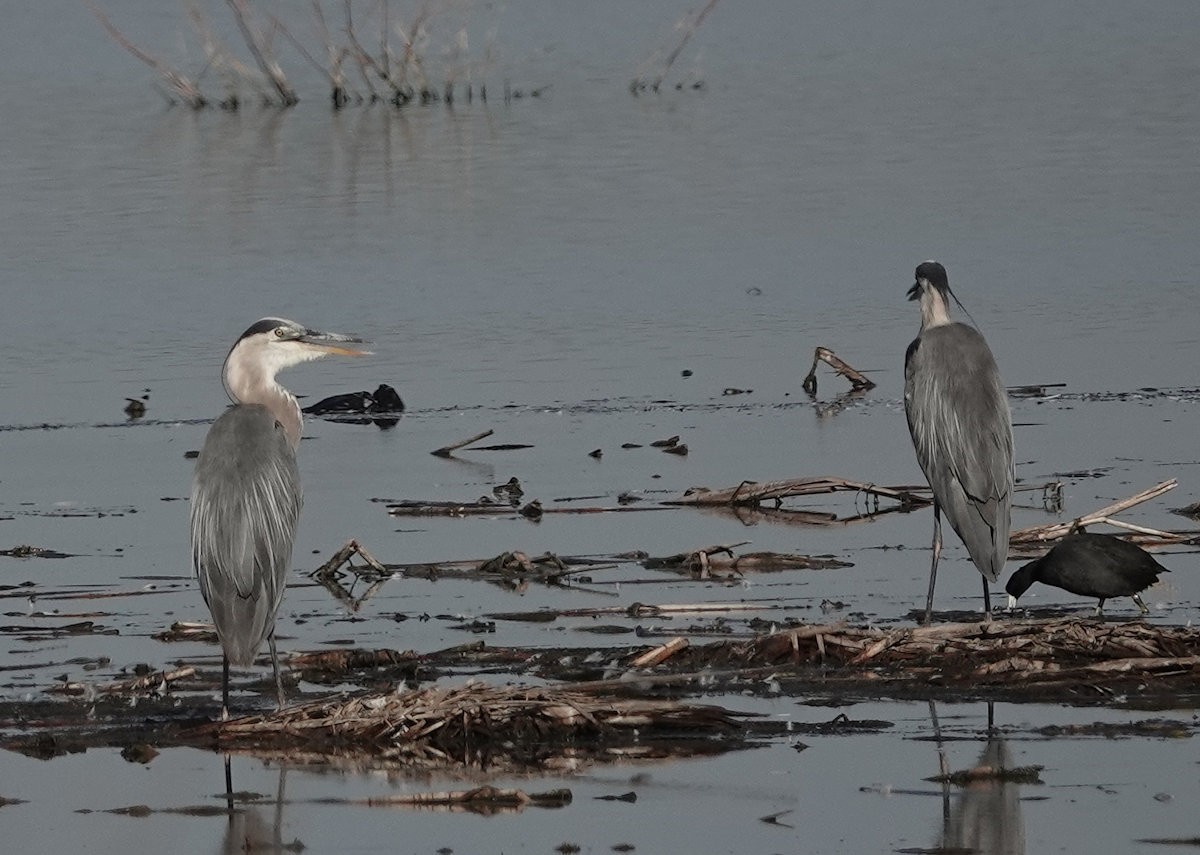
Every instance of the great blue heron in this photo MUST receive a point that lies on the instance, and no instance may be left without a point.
(246, 491)
(1091, 565)
(958, 416)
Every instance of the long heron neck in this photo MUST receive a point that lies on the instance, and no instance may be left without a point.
(935, 309)
(246, 386)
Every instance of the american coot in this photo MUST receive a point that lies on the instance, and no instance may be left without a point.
(246, 490)
(1090, 565)
(958, 416)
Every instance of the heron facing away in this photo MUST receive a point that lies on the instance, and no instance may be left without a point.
(958, 416)
(246, 492)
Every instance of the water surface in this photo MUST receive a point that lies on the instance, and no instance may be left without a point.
(549, 268)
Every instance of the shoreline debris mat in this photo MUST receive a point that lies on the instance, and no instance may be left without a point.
(477, 724)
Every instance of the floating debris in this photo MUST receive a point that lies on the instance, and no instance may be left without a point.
(486, 800)
(858, 381)
(25, 551)
(469, 724)
(447, 450)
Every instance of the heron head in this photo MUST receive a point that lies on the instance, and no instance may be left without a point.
(930, 274)
(273, 344)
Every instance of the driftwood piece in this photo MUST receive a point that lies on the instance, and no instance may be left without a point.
(754, 493)
(155, 682)
(448, 450)
(486, 506)
(858, 382)
(486, 799)
(343, 557)
(701, 562)
(659, 654)
(697, 557)
(339, 661)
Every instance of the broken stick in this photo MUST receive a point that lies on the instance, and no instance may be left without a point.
(446, 450)
(858, 382)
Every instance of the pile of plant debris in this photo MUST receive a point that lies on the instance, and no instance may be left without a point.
(476, 724)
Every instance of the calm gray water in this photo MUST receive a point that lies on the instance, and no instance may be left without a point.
(548, 268)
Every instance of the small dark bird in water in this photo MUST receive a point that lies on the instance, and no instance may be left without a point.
(1090, 565)
(385, 399)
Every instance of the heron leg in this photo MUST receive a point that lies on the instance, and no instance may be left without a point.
(937, 552)
(1100, 607)
(1145, 609)
(224, 688)
(987, 602)
(229, 787)
(275, 667)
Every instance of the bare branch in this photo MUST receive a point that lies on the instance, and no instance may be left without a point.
(182, 86)
(260, 49)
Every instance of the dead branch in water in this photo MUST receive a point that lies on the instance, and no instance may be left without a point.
(260, 49)
(687, 27)
(486, 800)
(1050, 532)
(330, 574)
(486, 506)
(754, 493)
(344, 556)
(858, 382)
(229, 69)
(339, 95)
(700, 562)
(184, 88)
(446, 450)
(155, 682)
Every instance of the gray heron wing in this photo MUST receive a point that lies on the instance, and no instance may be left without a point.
(958, 415)
(246, 500)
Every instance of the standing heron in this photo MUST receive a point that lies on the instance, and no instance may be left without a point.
(246, 492)
(958, 416)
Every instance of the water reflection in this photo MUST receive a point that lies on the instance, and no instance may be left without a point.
(248, 829)
(986, 816)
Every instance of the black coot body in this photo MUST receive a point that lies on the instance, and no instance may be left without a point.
(1091, 565)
